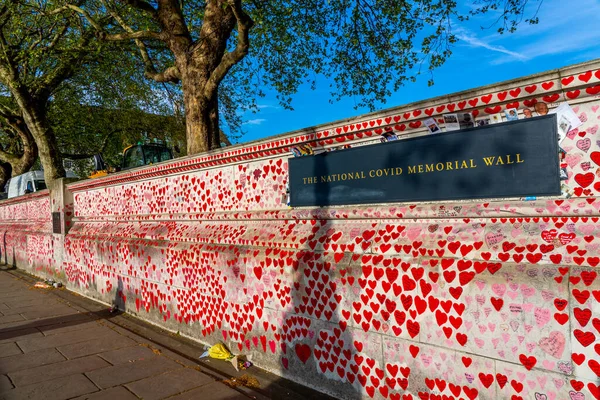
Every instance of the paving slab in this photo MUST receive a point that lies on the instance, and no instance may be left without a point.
(95, 346)
(72, 337)
(9, 349)
(29, 360)
(5, 383)
(18, 334)
(45, 308)
(57, 370)
(127, 355)
(57, 389)
(48, 312)
(74, 348)
(21, 302)
(23, 323)
(169, 384)
(10, 318)
(121, 355)
(214, 391)
(61, 328)
(20, 296)
(116, 393)
(125, 373)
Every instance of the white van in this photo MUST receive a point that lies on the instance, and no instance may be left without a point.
(29, 182)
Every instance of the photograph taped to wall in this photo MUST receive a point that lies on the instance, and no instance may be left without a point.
(388, 136)
(564, 126)
(566, 119)
(432, 125)
(483, 122)
(511, 114)
(465, 120)
(496, 118)
(451, 122)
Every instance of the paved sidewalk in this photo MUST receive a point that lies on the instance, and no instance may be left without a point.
(53, 347)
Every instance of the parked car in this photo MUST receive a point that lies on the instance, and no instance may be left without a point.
(29, 182)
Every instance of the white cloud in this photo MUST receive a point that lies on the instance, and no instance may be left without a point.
(473, 41)
(256, 121)
(556, 45)
(564, 28)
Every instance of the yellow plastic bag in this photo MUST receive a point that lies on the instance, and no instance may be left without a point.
(220, 352)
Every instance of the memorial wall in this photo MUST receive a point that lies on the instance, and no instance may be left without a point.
(401, 281)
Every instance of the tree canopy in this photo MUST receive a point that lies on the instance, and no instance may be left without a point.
(224, 54)
(64, 92)
(368, 48)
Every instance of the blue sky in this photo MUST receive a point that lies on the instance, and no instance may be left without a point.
(568, 33)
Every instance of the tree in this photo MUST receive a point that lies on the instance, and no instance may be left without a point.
(18, 150)
(367, 47)
(39, 50)
(110, 107)
(50, 67)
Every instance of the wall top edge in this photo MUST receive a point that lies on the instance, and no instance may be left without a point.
(25, 198)
(559, 80)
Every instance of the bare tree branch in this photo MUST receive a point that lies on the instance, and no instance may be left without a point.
(13, 122)
(118, 37)
(170, 74)
(57, 37)
(8, 157)
(8, 68)
(6, 112)
(79, 10)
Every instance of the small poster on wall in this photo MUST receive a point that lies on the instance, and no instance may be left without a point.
(451, 122)
(388, 136)
(566, 119)
(432, 125)
(458, 121)
(496, 118)
(466, 120)
(511, 114)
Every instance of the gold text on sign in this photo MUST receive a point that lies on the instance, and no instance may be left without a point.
(470, 163)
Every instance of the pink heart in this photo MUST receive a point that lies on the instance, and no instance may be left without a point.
(572, 133)
(576, 395)
(499, 289)
(573, 159)
(584, 144)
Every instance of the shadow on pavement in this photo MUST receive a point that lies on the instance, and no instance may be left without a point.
(57, 322)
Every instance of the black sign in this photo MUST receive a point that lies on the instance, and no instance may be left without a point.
(512, 159)
(56, 223)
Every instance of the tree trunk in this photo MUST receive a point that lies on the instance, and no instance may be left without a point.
(48, 152)
(5, 171)
(34, 115)
(201, 114)
(201, 67)
(198, 124)
(21, 154)
(49, 155)
(24, 163)
(30, 151)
